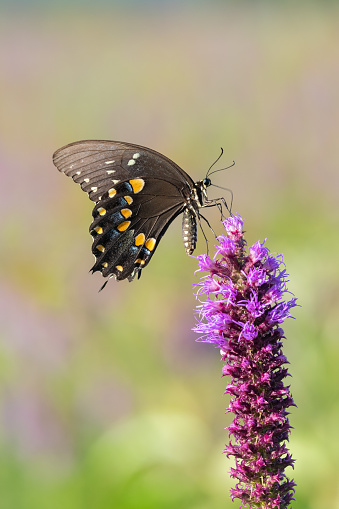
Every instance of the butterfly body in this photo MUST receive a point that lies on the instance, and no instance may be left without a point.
(137, 192)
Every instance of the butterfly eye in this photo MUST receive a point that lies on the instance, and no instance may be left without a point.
(207, 182)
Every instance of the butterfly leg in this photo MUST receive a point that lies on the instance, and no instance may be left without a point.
(208, 224)
(220, 203)
(200, 216)
(201, 228)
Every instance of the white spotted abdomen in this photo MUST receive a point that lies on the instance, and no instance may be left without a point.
(189, 231)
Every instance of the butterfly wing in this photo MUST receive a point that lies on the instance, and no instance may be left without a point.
(128, 226)
(96, 164)
(138, 193)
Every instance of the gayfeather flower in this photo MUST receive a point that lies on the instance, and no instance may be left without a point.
(242, 316)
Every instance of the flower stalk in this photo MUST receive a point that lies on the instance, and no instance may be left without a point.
(241, 315)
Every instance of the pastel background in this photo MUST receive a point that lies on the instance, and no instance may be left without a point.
(106, 399)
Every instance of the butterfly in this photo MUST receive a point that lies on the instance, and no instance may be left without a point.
(137, 192)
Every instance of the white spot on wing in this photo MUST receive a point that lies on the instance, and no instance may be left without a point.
(109, 162)
(78, 173)
(86, 180)
(94, 189)
(136, 155)
(110, 171)
(115, 181)
(131, 162)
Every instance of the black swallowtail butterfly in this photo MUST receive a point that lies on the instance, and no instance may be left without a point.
(137, 192)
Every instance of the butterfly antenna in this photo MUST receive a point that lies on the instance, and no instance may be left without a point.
(209, 169)
(221, 169)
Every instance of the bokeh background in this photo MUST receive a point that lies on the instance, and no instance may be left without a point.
(106, 399)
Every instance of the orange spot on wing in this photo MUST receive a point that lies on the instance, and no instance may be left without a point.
(137, 185)
(123, 226)
(150, 243)
(139, 239)
(126, 212)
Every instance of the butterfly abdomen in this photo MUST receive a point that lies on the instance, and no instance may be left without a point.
(189, 231)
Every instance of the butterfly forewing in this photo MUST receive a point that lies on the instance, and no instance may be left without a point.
(138, 192)
(95, 164)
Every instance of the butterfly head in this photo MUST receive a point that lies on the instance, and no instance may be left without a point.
(199, 191)
(206, 182)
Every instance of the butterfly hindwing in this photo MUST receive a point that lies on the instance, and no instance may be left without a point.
(128, 225)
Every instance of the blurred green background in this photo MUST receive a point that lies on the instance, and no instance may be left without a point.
(106, 399)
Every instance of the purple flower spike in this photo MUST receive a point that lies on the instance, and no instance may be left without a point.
(242, 316)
